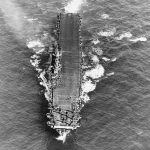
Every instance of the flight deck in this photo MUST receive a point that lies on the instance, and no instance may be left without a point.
(66, 92)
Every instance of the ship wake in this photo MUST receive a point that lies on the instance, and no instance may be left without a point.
(43, 47)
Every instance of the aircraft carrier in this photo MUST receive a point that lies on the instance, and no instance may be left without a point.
(65, 75)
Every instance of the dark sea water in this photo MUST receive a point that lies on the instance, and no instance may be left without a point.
(117, 117)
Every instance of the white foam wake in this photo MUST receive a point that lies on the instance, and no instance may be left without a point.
(62, 137)
(35, 43)
(130, 37)
(142, 39)
(94, 73)
(107, 33)
(124, 35)
(91, 77)
(74, 6)
(89, 85)
(104, 16)
(98, 51)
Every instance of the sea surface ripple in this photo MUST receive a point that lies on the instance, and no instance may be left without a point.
(117, 115)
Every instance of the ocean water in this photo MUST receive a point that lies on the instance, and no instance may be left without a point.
(117, 117)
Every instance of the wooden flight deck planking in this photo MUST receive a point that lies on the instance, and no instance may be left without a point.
(68, 88)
